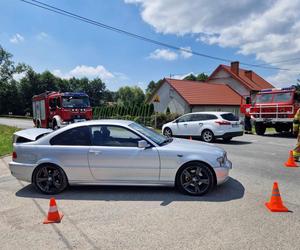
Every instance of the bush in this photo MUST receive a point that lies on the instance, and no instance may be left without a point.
(162, 118)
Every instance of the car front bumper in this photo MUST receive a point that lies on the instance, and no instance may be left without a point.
(222, 173)
(21, 171)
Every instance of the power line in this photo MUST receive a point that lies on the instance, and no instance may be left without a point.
(136, 36)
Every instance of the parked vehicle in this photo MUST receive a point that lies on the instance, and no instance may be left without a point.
(55, 109)
(206, 125)
(116, 152)
(272, 108)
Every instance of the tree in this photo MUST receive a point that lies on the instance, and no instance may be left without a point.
(190, 77)
(202, 77)
(130, 96)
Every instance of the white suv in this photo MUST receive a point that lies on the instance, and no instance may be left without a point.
(206, 125)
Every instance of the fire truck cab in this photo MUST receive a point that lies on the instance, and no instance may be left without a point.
(55, 109)
(273, 108)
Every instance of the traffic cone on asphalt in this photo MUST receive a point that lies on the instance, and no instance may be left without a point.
(53, 215)
(275, 204)
(291, 161)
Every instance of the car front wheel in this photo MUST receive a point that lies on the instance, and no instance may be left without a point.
(207, 136)
(195, 179)
(49, 179)
(168, 132)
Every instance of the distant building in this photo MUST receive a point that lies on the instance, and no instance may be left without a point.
(224, 90)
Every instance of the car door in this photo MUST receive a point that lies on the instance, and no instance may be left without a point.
(69, 150)
(182, 125)
(196, 124)
(115, 156)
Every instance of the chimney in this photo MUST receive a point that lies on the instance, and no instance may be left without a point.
(235, 67)
(248, 74)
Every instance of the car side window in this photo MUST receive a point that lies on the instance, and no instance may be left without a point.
(211, 117)
(79, 136)
(186, 118)
(198, 117)
(114, 136)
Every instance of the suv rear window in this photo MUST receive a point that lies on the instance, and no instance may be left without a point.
(229, 117)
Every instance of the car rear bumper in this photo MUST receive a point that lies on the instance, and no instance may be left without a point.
(21, 171)
(230, 134)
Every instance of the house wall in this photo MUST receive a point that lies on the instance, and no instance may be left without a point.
(224, 77)
(233, 109)
(170, 98)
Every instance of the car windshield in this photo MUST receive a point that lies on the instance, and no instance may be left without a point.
(151, 134)
(75, 102)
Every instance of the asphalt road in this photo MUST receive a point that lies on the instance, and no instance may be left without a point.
(19, 123)
(233, 216)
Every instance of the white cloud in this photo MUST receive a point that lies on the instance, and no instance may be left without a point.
(268, 29)
(42, 35)
(17, 38)
(164, 54)
(86, 71)
(185, 52)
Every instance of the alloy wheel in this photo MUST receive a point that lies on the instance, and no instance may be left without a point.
(49, 179)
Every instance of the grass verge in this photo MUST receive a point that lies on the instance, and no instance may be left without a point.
(6, 134)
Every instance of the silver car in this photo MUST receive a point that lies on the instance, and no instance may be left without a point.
(115, 152)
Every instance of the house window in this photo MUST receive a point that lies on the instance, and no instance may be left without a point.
(171, 93)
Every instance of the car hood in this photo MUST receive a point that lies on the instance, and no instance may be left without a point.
(193, 146)
(32, 133)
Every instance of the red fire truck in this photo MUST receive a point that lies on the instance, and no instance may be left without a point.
(272, 108)
(55, 109)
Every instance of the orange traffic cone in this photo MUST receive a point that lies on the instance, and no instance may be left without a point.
(191, 138)
(291, 161)
(53, 215)
(275, 204)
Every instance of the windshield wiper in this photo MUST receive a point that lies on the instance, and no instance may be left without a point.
(166, 141)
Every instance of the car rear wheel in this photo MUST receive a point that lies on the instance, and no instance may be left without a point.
(195, 179)
(50, 179)
(168, 132)
(207, 136)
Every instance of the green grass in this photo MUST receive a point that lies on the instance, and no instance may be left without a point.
(6, 134)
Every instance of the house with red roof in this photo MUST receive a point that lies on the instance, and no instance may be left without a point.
(224, 90)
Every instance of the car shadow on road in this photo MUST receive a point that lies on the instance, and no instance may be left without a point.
(231, 190)
(233, 142)
(281, 135)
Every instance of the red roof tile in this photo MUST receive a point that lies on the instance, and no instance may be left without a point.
(257, 82)
(201, 93)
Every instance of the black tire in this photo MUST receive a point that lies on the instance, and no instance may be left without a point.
(207, 136)
(49, 179)
(279, 129)
(54, 125)
(168, 132)
(195, 178)
(227, 139)
(260, 128)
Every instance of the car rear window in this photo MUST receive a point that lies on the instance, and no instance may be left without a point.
(229, 117)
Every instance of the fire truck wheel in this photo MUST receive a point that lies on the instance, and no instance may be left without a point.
(54, 125)
(260, 129)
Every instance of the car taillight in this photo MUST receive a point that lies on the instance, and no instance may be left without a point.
(14, 155)
(223, 122)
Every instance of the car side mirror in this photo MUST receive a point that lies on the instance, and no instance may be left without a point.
(143, 144)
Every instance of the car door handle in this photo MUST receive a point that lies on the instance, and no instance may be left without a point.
(96, 152)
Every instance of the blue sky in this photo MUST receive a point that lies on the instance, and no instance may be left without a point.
(48, 41)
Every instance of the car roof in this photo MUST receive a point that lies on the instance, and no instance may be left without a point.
(210, 112)
(99, 122)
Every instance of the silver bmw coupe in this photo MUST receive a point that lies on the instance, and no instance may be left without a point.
(115, 152)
